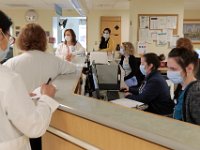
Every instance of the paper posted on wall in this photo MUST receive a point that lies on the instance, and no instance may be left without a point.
(142, 47)
(143, 34)
(173, 40)
(162, 39)
(169, 34)
(144, 22)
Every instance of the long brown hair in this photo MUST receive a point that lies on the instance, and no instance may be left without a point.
(74, 41)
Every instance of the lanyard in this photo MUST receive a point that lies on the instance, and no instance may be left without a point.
(142, 87)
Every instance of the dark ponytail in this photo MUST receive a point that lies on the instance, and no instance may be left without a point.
(184, 57)
(152, 58)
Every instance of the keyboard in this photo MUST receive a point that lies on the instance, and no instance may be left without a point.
(112, 95)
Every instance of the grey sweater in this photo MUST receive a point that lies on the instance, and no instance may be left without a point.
(191, 103)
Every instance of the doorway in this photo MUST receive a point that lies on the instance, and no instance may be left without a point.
(114, 23)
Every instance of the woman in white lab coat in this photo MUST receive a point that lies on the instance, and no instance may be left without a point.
(70, 47)
(20, 118)
(34, 64)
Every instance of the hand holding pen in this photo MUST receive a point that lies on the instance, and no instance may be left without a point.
(48, 81)
(48, 89)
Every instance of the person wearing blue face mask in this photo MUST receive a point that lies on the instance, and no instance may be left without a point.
(182, 67)
(154, 91)
(10, 40)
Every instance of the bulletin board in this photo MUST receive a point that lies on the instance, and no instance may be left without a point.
(159, 28)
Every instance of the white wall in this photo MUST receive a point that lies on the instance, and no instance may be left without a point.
(94, 26)
(137, 7)
(45, 20)
(155, 7)
(192, 14)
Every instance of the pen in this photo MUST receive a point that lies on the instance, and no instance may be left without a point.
(48, 81)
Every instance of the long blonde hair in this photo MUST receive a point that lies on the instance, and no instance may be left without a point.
(128, 48)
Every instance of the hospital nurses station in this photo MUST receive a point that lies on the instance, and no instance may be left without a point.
(99, 75)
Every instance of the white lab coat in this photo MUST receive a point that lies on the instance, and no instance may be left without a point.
(62, 50)
(36, 67)
(20, 118)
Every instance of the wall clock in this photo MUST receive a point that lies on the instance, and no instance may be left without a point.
(31, 16)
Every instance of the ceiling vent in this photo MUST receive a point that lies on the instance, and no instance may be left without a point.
(17, 5)
(80, 7)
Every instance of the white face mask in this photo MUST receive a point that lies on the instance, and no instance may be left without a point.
(68, 38)
(175, 77)
(106, 35)
(121, 50)
(142, 69)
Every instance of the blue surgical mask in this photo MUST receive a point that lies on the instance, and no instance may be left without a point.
(4, 52)
(175, 77)
(142, 69)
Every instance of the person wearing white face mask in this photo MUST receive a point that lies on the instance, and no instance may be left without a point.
(130, 64)
(107, 43)
(154, 91)
(20, 117)
(182, 66)
(70, 47)
(3, 53)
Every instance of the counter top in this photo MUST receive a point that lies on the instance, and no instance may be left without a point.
(161, 130)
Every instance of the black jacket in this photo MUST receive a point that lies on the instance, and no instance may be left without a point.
(155, 93)
(135, 68)
(191, 103)
(104, 43)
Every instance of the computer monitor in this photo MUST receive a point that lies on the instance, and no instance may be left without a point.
(106, 78)
(109, 76)
(99, 57)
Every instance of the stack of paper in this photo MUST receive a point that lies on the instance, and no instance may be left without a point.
(37, 93)
(127, 102)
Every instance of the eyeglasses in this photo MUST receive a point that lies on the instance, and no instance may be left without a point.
(11, 39)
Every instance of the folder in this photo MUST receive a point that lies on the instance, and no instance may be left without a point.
(127, 102)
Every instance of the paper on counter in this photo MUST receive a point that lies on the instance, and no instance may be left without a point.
(127, 102)
(37, 91)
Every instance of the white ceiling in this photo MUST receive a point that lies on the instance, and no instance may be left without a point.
(91, 4)
(107, 4)
(40, 4)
